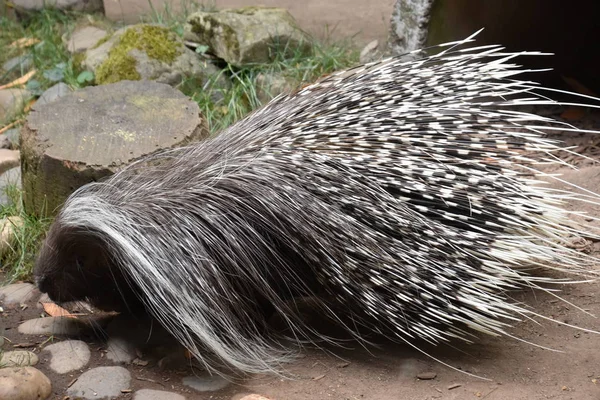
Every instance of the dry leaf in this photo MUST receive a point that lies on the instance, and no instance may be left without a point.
(54, 310)
(21, 81)
(24, 42)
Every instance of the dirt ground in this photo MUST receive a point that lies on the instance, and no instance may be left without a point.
(509, 369)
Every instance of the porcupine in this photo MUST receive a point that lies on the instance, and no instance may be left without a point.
(406, 190)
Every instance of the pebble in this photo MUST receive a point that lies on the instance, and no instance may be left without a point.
(148, 394)
(24, 383)
(68, 356)
(52, 326)
(205, 382)
(426, 376)
(9, 159)
(55, 92)
(120, 350)
(17, 293)
(101, 382)
(18, 358)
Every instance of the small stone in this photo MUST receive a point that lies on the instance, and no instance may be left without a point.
(24, 383)
(9, 159)
(55, 92)
(255, 397)
(68, 356)
(52, 326)
(84, 38)
(120, 350)
(369, 52)
(12, 101)
(205, 382)
(101, 382)
(149, 394)
(18, 358)
(17, 293)
(426, 376)
(22, 63)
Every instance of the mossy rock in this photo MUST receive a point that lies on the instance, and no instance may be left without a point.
(145, 52)
(250, 35)
(91, 133)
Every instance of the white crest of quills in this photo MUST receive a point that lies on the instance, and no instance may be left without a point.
(405, 196)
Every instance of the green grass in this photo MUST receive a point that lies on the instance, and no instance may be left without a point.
(17, 262)
(55, 64)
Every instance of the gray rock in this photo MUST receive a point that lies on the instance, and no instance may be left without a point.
(120, 350)
(17, 293)
(84, 38)
(24, 383)
(149, 394)
(269, 86)
(19, 63)
(205, 382)
(247, 35)
(55, 92)
(53, 326)
(409, 25)
(185, 64)
(68, 356)
(12, 101)
(13, 137)
(11, 178)
(76, 5)
(18, 358)
(101, 382)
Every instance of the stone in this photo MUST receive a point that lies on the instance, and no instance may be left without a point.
(426, 376)
(101, 382)
(84, 38)
(17, 293)
(247, 35)
(68, 356)
(74, 5)
(409, 25)
(9, 228)
(53, 326)
(20, 63)
(12, 102)
(100, 130)
(13, 137)
(120, 350)
(24, 383)
(9, 179)
(146, 52)
(55, 92)
(149, 394)
(18, 358)
(9, 159)
(205, 382)
(269, 86)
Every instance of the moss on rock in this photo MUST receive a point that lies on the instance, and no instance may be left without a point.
(156, 42)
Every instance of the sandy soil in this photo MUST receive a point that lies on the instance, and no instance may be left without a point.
(508, 368)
